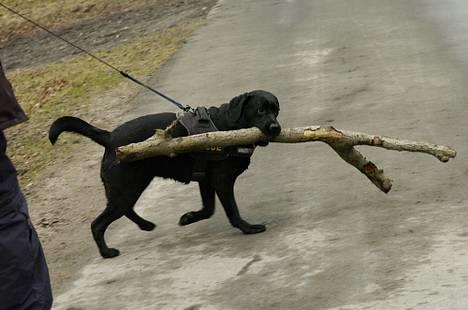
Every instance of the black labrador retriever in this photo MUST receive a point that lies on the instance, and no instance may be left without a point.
(125, 182)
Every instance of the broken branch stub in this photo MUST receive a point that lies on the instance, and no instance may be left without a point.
(343, 142)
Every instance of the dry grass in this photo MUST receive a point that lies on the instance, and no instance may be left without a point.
(54, 13)
(64, 88)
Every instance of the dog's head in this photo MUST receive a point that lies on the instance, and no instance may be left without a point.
(257, 108)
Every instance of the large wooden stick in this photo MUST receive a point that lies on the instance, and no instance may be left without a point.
(343, 142)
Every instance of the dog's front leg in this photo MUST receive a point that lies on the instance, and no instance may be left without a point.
(225, 192)
(207, 193)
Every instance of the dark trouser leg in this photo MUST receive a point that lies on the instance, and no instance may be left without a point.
(208, 199)
(24, 275)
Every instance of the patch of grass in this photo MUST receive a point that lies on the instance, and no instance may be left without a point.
(53, 13)
(66, 87)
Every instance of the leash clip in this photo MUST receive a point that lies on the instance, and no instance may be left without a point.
(188, 108)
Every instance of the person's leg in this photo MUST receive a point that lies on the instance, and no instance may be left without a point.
(25, 280)
(24, 277)
(41, 280)
(15, 263)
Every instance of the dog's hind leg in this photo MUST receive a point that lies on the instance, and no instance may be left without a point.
(141, 222)
(225, 192)
(124, 185)
(99, 226)
(207, 193)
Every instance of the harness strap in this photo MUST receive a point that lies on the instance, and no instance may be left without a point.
(199, 121)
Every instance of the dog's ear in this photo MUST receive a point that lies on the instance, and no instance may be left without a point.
(236, 107)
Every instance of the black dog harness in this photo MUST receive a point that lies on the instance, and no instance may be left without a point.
(199, 121)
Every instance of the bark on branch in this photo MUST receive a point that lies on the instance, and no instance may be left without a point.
(343, 142)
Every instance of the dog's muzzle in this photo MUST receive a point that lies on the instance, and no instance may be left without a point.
(270, 132)
(274, 129)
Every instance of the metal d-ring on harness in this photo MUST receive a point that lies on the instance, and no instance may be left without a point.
(194, 120)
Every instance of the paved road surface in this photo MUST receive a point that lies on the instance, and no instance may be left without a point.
(392, 67)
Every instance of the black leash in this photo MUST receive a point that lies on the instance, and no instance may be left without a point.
(123, 73)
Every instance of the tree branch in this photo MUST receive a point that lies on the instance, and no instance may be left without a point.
(343, 142)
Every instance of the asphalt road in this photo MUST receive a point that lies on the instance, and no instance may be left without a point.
(391, 67)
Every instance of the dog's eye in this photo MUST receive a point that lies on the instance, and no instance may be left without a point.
(261, 111)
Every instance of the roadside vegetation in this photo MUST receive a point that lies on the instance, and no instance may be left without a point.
(57, 13)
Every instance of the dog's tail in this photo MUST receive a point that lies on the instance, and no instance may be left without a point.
(79, 126)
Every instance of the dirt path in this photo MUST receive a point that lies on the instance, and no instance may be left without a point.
(68, 195)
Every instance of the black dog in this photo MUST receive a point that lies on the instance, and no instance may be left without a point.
(125, 182)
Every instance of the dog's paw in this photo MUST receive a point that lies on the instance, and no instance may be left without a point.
(147, 226)
(188, 218)
(253, 229)
(109, 253)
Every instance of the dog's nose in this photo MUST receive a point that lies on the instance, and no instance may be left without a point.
(274, 129)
